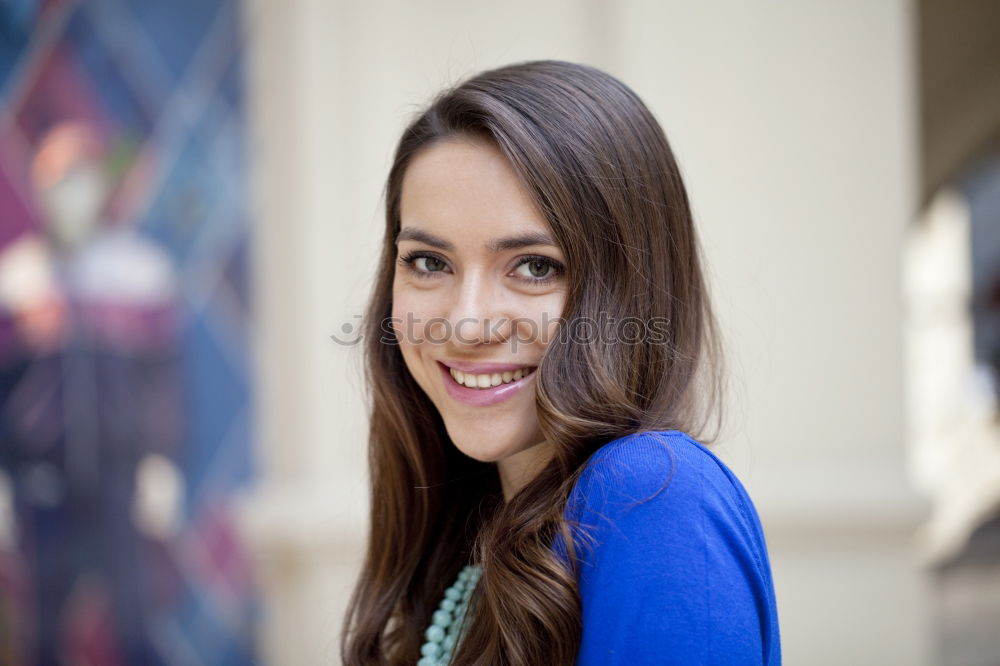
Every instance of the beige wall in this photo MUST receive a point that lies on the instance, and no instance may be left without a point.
(794, 125)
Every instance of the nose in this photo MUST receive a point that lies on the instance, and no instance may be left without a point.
(478, 314)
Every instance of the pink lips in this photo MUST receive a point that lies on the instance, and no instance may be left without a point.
(482, 397)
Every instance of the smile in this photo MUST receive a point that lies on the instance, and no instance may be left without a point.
(481, 389)
(485, 381)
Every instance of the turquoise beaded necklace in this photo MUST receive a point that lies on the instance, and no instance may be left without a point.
(448, 621)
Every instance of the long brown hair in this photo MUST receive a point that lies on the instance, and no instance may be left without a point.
(599, 168)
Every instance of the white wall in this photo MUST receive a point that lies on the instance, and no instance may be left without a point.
(793, 123)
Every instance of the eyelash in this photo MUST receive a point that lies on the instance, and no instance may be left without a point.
(407, 260)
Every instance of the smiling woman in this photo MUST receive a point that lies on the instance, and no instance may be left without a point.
(541, 493)
(494, 268)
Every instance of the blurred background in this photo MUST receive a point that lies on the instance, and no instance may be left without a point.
(189, 223)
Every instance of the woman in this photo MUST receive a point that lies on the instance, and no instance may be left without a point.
(543, 360)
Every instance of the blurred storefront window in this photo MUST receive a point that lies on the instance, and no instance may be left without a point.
(125, 377)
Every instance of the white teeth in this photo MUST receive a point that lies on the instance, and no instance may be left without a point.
(488, 381)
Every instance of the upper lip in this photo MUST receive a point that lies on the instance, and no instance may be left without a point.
(485, 368)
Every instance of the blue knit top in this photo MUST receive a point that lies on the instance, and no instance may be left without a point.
(680, 578)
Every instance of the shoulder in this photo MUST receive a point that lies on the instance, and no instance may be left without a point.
(668, 470)
(672, 554)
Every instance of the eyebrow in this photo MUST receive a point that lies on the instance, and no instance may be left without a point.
(494, 246)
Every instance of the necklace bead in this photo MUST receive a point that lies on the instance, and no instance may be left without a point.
(448, 620)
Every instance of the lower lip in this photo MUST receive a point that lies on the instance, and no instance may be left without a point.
(482, 397)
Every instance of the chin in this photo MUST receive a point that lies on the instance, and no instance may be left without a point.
(487, 448)
(486, 442)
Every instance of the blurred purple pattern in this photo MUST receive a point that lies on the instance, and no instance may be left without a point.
(125, 403)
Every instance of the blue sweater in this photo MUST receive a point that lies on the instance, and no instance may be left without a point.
(682, 578)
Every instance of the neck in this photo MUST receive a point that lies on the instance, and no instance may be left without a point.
(518, 470)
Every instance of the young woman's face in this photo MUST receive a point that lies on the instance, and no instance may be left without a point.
(478, 289)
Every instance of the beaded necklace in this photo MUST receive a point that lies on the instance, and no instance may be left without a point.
(448, 620)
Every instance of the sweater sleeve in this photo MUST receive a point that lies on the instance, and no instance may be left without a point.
(675, 569)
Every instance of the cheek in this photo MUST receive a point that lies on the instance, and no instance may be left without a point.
(410, 314)
(404, 317)
(402, 324)
(417, 320)
(419, 316)
(538, 325)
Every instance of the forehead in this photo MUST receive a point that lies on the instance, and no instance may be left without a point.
(465, 188)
